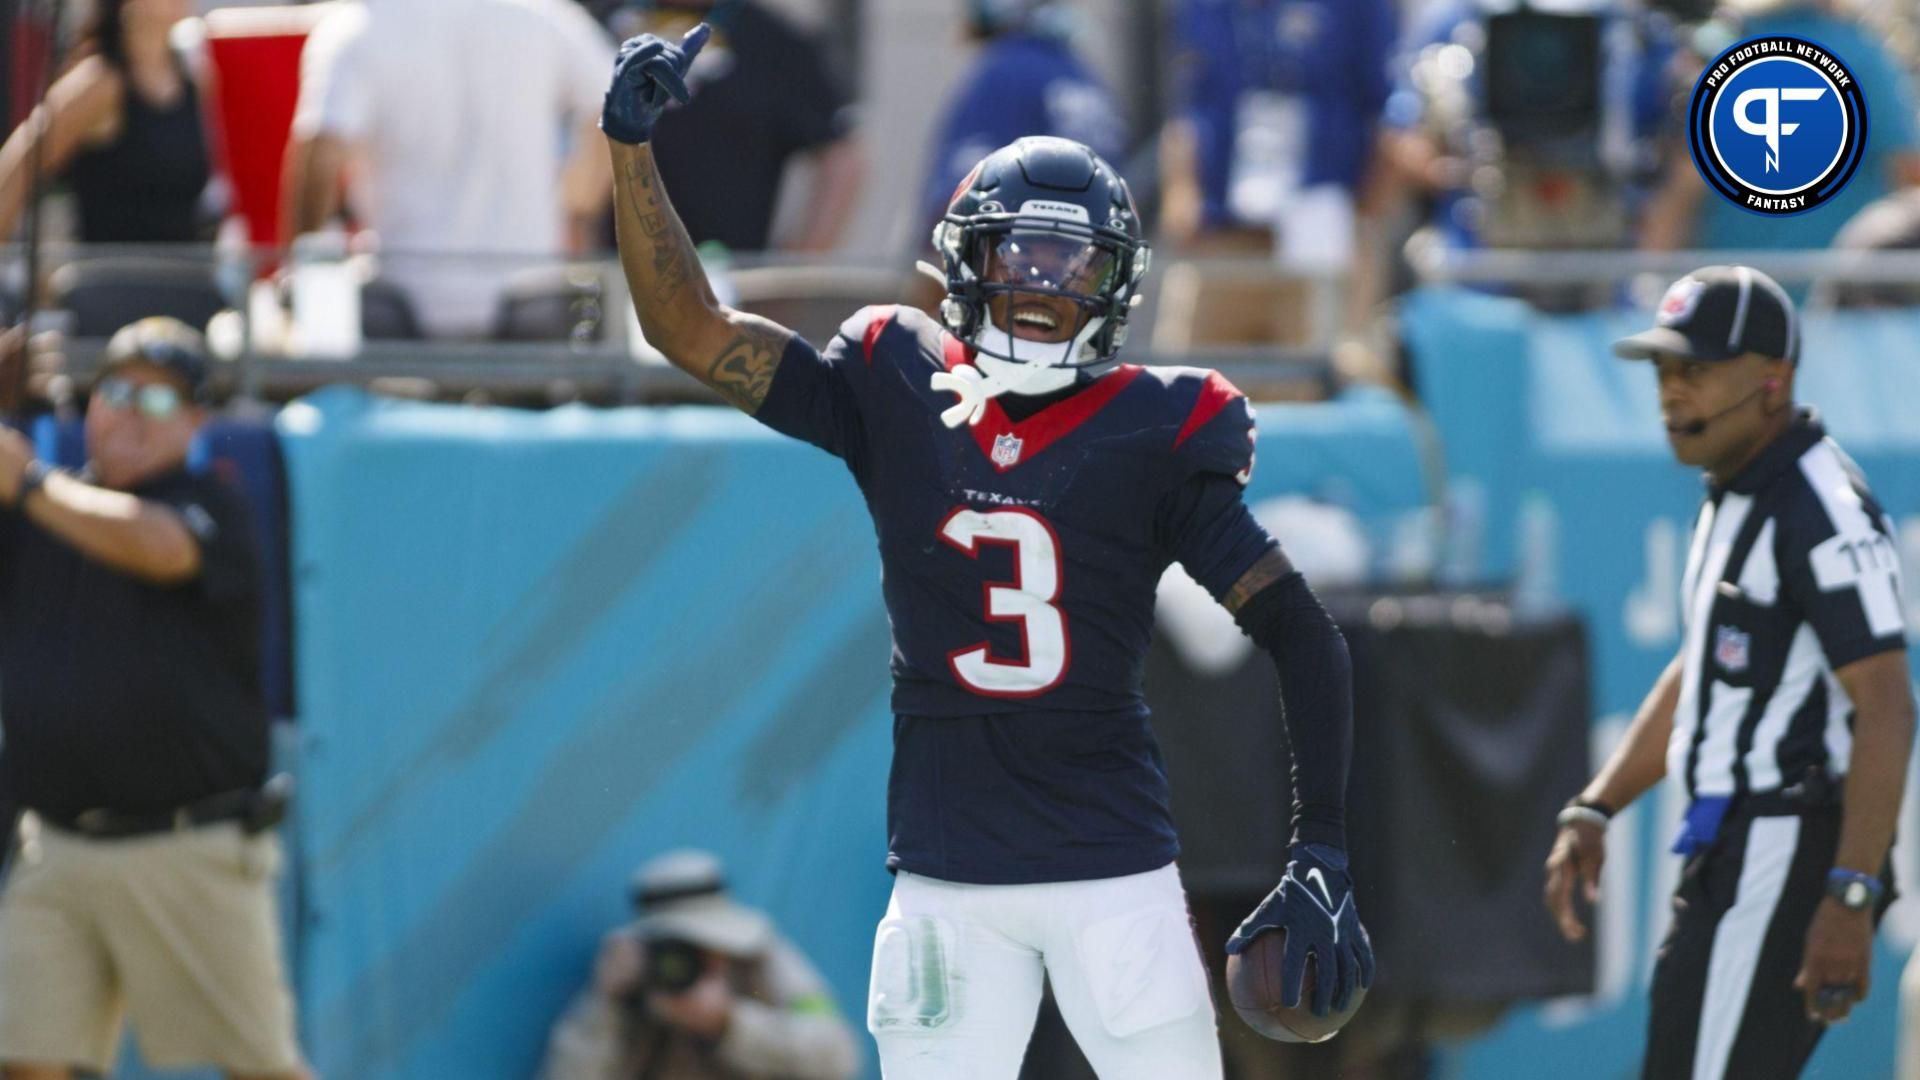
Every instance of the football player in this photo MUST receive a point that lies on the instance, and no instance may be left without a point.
(1028, 490)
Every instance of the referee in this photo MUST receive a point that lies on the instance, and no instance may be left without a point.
(1787, 713)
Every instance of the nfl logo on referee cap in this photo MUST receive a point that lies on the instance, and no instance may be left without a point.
(1006, 450)
(1681, 300)
(1777, 125)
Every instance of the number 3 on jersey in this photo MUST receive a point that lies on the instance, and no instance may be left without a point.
(1027, 600)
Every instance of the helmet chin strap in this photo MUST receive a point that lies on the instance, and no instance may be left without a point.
(989, 376)
(965, 381)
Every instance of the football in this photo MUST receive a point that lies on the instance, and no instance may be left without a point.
(1253, 985)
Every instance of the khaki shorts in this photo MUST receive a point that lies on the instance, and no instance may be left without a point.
(177, 931)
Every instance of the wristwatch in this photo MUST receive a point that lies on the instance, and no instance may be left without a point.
(1854, 890)
(31, 478)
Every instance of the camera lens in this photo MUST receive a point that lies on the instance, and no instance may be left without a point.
(673, 965)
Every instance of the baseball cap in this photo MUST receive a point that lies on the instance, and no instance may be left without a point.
(1717, 313)
(164, 343)
(683, 894)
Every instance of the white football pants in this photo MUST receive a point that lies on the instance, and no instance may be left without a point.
(957, 973)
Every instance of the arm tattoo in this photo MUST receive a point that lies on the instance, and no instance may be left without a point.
(743, 372)
(1270, 568)
(674, 260)
(674, 301)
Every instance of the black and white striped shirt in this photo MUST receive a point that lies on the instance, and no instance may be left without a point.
(1792, 574)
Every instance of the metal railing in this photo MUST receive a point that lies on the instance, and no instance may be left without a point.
(1437, 264)
(599, 358)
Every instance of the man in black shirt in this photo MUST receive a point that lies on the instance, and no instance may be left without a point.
(136, 742)
(761, 84)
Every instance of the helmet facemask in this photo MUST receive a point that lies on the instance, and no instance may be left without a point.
(1042, 257)
(1041, 301)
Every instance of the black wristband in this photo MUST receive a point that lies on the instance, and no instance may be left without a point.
(1594, 805)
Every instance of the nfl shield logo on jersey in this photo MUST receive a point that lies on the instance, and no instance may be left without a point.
(1730, 648)
(1006, 450)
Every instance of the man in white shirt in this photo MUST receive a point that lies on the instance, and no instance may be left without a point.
(453, 126)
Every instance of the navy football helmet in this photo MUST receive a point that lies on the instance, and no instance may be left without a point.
(1043, 255)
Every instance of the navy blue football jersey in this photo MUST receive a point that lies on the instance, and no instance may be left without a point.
(1019, 563)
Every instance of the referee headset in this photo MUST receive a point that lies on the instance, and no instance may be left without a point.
(1696, 427)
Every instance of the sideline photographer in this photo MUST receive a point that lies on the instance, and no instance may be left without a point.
(699, 987)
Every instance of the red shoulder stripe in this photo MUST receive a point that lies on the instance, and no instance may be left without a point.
(1215, 394)
(881, 317)
(954, 352)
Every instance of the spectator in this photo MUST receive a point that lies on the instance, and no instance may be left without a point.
(1887, 224)
(1268, 146)
(1683, 216)
(1025, 80)
(454, 203)
(136, 742)
(762, 82)
(700, 987)
(123, 126)
(1529, 128)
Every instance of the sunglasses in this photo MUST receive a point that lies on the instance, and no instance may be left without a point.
(155, 401)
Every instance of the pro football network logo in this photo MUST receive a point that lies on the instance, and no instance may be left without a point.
(1777, 125)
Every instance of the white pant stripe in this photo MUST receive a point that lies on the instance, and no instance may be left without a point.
(1738, 939)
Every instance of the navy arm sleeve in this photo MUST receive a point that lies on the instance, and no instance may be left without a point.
(1215, 537)
(1316, 701)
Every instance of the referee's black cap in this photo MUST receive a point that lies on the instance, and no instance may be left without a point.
(1718, 313)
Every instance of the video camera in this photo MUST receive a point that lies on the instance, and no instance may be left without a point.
(673, 966)
(1523, 98)
(1543, 79)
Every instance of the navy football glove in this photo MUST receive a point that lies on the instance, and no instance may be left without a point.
(1314, 905)
(649, 72)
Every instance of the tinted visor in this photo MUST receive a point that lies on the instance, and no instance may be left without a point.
(1050, 261)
